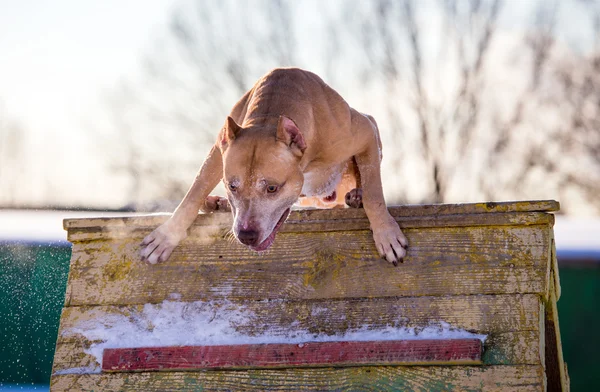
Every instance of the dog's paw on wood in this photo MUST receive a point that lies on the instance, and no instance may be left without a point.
(354, 198)
(390, 242)
(158, 245)
(216, 203)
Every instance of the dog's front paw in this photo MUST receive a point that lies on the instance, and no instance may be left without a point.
(354, 198)
(216, 203)
(390, 242)
(158, 245)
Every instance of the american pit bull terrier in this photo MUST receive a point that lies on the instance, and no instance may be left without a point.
(291, 136)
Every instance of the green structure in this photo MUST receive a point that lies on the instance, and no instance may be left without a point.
(33, 277)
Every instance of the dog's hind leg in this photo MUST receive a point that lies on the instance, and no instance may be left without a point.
(353, 198)
(216, 203)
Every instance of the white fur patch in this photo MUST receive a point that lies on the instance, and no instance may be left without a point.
(314, 185)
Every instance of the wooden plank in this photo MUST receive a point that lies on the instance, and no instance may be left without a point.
(556, 370)
(211, 227)
(512, 322)
(73, 356)
(554, 267)
(509, 348)
(483, 313)
(440, 261)
(514, 348)
(436, 210)
(384, 378)
(281, 355)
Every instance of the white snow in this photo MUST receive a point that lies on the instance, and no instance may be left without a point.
(79, 370)
(577, 235)
(43, 226)
(174, 323)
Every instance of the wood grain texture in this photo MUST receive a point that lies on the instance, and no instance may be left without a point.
(210, 227)
(282, 355)
(510, 348)
(554, 267)
(483, 313)
(440, 261)
(556, 371)
(316, 215)
(384, 378)
(483, 267)
(512, 322)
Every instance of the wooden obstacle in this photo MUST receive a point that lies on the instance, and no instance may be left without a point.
(487, 268)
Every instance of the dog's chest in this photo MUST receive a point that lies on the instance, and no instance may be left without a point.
(321, 180)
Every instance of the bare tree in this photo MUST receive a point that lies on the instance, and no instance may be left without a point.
(212, 56)
(468, 139)
(466, 111)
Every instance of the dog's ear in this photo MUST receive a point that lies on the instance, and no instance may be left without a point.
(228, 133)
(288, 133)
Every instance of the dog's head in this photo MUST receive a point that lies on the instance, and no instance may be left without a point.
(262, 177)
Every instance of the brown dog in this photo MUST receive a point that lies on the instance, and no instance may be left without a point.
(290, 136)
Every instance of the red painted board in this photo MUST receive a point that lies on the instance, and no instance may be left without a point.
(316, 354)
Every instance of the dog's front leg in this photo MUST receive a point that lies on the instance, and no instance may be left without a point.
(389, 239)
(158, 245)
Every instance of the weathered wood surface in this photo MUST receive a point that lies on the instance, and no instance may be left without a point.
(313, 265)
(512, 322)
(553, 265)
(216, 225)
(485, 267)
(557, 375)
(497, 313)
(286, 355)
(320, 215)
(510, 348)
(211, 227)
(384, 378)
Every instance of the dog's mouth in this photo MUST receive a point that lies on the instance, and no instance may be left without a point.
(271, 238)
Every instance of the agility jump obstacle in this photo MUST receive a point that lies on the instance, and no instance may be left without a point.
(473, 307)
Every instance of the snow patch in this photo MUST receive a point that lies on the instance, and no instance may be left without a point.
(174, 323)
(79, 370)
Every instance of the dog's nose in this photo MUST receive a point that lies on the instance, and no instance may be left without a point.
(248, 237)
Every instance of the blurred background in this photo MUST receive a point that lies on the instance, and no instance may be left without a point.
(112, 106)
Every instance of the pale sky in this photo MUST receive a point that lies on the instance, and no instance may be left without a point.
(57, 55)
(59, 59)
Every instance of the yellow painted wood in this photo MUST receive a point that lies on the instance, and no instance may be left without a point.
(407, 378)
(206, 232)
(511, 313)
(440, 261)
(316, 215)
(557, 376)
(485, 267)
(70, 357)
(554, 266)
(415, 216)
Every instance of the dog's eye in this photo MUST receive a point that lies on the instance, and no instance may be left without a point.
(232, 187)
(272, 188)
